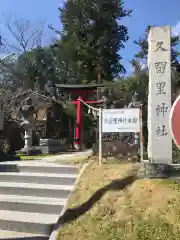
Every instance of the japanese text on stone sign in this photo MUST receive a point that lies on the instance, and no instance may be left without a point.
(160, 88)
(162, 108)
(161, 131)
(160, 67)
(159, 46)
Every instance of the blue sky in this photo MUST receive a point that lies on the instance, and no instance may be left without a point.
(158, 12)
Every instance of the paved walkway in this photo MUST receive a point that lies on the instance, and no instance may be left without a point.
(66, 156)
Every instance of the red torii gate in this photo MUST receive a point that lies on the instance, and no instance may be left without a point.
(82, 91)
(79, 119)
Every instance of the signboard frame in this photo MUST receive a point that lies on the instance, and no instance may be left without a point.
(140, 128)
(116, 120)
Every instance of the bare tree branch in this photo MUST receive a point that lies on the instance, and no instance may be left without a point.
(25, 35)
(55, 30)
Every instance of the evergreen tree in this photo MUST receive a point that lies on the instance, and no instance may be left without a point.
(142, 42)
(94, 33)
(142, 55)
(35, 68)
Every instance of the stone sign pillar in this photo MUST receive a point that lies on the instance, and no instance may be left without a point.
(159, 99)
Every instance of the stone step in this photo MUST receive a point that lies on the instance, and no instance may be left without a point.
(41, 178)
(31, 204)
(27, 222)
(37, 167)
(32, 197)
(9, 235)
(38, 190)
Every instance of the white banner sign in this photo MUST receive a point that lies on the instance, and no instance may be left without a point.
(121, 120)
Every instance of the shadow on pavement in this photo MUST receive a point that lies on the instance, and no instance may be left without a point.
(9, 167)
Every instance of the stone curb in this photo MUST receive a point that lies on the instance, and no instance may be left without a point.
(66, 156)
(157, 170)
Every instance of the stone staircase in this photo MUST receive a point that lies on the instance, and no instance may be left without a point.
(32, 197)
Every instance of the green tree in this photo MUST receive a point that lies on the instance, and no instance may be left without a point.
(92, 37)
(142, 43)
(35, 68)
(71, 68)
(142, 55)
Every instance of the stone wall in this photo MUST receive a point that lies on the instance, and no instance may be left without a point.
(115, 145)
(53, 145)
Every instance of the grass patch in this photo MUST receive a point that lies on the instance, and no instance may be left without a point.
(104, 208)
(24, 157)
(79, 160)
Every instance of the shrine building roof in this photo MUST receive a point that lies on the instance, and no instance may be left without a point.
(80, 86)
